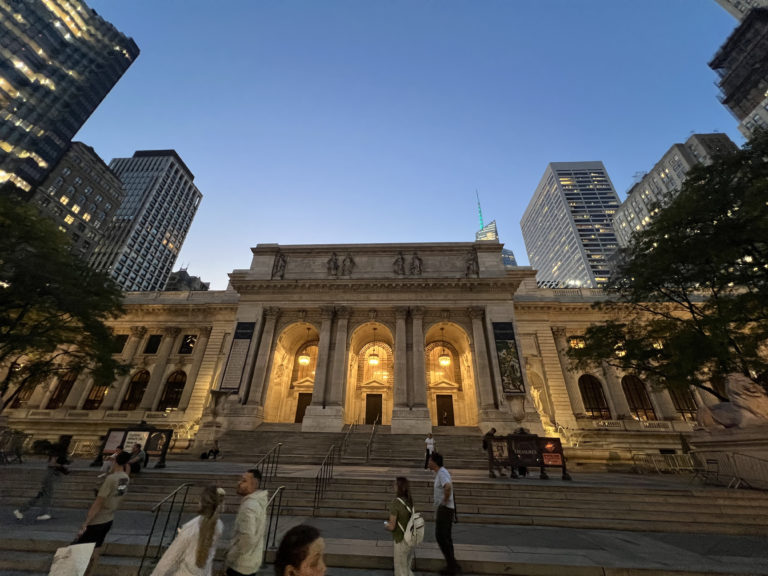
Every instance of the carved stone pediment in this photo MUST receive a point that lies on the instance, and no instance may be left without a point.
(375, 386)
(444, 385)
(303, 385)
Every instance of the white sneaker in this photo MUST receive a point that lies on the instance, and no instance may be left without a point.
(18, 514)
(43, 517)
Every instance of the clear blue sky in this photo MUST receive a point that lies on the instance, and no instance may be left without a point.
(357, 121)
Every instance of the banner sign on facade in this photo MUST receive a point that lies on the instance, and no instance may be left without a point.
(509, 361)
(238, 352)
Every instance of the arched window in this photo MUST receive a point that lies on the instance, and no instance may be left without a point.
(27, 389)
(305, 371)
(442, 373)
(95, 397)
(62, 390)
(382, 370)
(637, 397)
(593, 396)
(685, 403)
(136, 389)
(174, 387)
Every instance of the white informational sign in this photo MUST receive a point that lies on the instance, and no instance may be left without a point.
(72, 560)
(135, 437)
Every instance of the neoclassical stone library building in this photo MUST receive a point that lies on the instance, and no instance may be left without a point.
(412, 336)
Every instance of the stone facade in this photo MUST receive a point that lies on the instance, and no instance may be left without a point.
(409, 335)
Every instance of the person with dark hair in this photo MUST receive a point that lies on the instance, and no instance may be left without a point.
(444, 514)
(58, 465)
(400, 510)
(100, 515)
(138, 459)
(246, 550)
(193, 549)
(301, 553)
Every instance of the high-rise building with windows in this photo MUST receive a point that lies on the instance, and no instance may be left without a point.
(58, 60)
(81, 194)
(739, 8)
(142, 243)
(567, 225)
(662, 184)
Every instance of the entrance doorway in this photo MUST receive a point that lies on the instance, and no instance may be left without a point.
(372, 408)
(444, 405)
(304, 400)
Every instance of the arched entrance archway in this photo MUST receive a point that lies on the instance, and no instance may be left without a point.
(371, 377)
(451, 391)
(292, 379)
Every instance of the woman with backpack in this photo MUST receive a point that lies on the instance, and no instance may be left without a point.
(400, 510)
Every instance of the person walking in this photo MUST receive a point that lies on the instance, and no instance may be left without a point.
(429, 442)
(100, 515)
(191, 552)
(400, 510)
(301, 553)
(247, 548)
(58, 465)
(444, 514)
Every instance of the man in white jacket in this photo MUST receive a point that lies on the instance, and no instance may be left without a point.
(247, 548)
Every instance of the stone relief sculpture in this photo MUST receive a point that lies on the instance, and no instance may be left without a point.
(278, 268)
(333, 265)
(398, 266)
(470, 264)
(348, 265)
(415, 268)
(748, 406)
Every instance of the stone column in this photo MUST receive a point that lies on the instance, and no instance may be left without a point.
(410, 413)
(482, 368)
(665, 408)
(571, 383)
(156, 381)
(198, 353)
(258, 386)
(401, 359)
(339, 368)
(323, 356)
(121, 387)
(419, 380)
(617, 400)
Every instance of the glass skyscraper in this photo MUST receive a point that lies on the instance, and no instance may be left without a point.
(58, 60)
(567, 226)
(141, 245)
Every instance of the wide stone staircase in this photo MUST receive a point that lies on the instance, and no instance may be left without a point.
(356, 500)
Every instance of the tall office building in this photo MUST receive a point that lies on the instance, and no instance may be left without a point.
(82, 195)
(489, 232)
(141, 245)
(742, 65)
(58, 60)
(567, 225)
(739, 8)
(662, 184)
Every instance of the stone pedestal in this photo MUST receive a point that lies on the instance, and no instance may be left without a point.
(242, 417)
(319, 419)
(504, 422)
(411, 420)
(741, 453)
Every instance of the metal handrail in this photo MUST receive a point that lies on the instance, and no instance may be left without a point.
(323, 478)
(345, 442)
(749, 471)
(156, 511)
(370, 439)
(269, 463)
(277, 497)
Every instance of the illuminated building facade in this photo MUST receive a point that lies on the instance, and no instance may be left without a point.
(141, 245)
(662, 184)
(81, 194)
(567, 225)
(58, 60)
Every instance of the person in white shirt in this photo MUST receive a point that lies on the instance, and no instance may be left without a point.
(444, 513)
(247, 548)
(430, 444)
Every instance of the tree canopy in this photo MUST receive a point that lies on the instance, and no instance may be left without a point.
(689, 296)
(53, 307)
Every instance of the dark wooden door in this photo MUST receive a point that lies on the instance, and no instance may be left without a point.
(372, 408)
(305, 399)
(444, 404)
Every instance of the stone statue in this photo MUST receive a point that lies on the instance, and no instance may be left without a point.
(347, 266)
(278, 268)
(398, 266)
(415, 268)
(471, 266)
(333, 265)
(748, 406)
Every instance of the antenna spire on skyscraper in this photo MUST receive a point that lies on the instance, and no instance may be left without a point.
(479, 210)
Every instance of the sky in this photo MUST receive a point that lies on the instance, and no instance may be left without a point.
(374, 121)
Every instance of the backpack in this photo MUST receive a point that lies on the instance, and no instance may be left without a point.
(413, 533)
